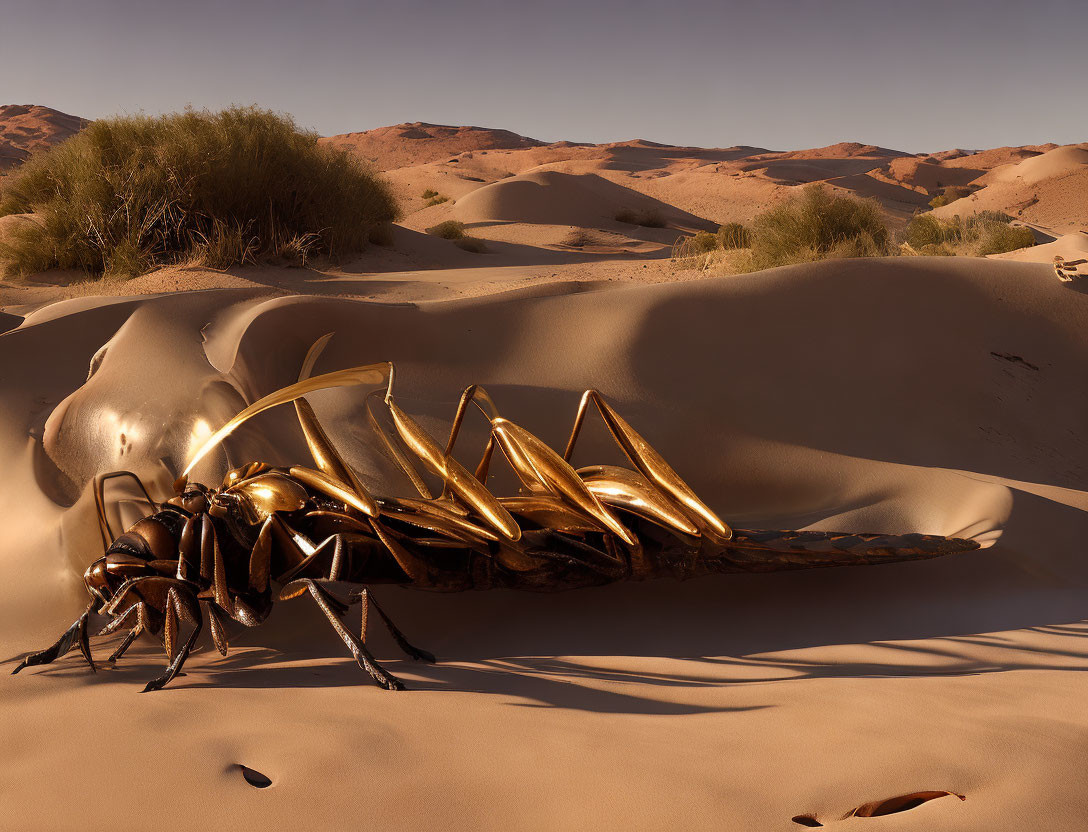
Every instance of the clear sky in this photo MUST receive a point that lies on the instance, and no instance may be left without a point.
(913, 74)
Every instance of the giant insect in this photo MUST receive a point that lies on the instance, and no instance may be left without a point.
(212, 554)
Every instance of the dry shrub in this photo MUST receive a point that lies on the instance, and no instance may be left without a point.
(473, 244)
(948, 195)
(647, 217)
(816, 225)
(448, 230)
(237, 186)
(988, 232)
(734, 235)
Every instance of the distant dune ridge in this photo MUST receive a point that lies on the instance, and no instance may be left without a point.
(1048, 189)
(1043, 185)
(27, 128)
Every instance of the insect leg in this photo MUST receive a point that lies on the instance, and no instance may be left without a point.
(362, 656)
(77, 632)
(139, 609)
(213, 567)
(185, 607)
(336, 542)
(218, 628)
(366, 597)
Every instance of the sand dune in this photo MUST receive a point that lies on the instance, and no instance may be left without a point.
(991, 158)
(1069, 246)
(888, 395)
(1058, 162)
(930, 176)
(1050, 190)
(553, 198)
(419, 143)
(27, 128)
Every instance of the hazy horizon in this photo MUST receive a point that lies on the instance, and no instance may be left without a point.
(783, 75)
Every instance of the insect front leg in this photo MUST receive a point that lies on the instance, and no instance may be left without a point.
(77, 633)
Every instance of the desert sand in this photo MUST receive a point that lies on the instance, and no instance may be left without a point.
(937, 395)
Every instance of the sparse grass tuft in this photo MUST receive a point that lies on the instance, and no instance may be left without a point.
(937, 250)
(702, 242)
(436, 200)
(473, 244)
(428, 194)
(734, 235)
(647, 218)
(448, 230)
(128, 194)
(704, 249)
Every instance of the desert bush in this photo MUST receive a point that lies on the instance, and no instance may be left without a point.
(436, 200)
(703, 242)
(448, 230)
(648, 218)
(997, 238)
(130, 193)
(937, 250)
(473, 244)
(694, 252)
(986, 233)
(733, 235)
(814, 225)
(427, 194)
(926, 230)
(950, 194)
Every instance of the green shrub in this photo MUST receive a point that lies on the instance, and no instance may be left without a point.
(734, 235)
(127, 194)
(986, 233)
(814, 225)
(926, 230)
(948, 195)
(427, 194)
(448, 230)
(997, 238)
(648, 218)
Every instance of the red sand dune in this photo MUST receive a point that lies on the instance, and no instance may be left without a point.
(27, 128)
